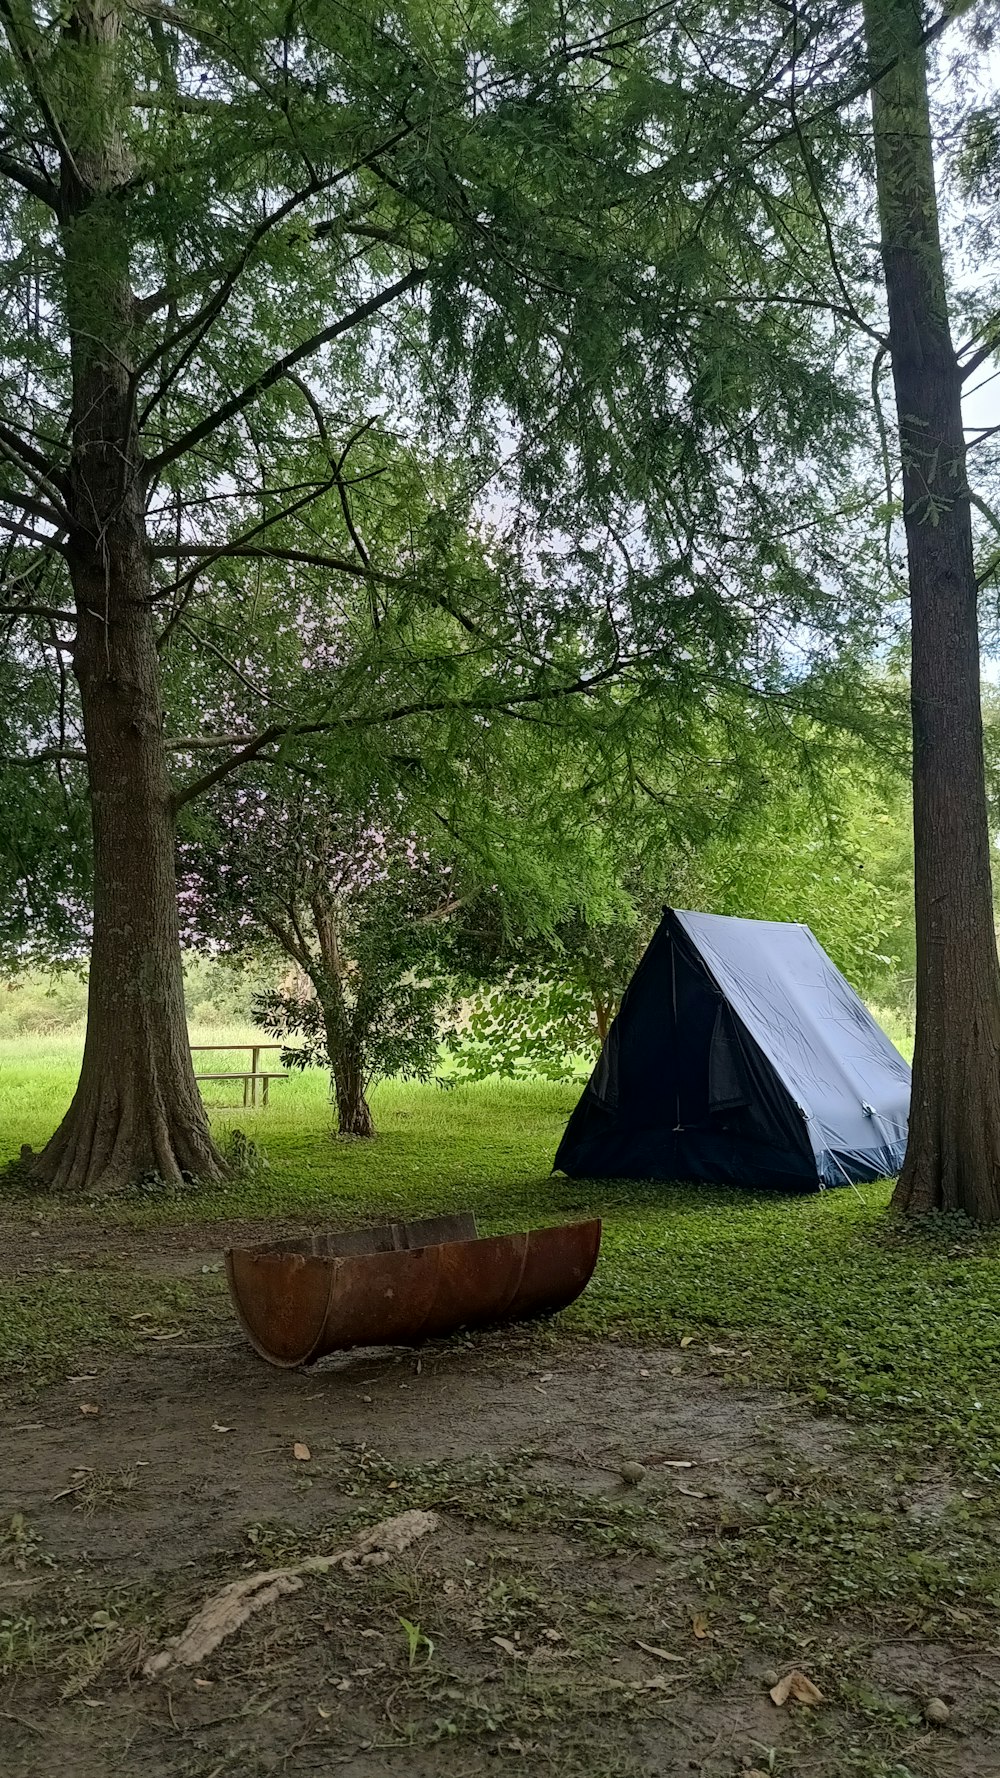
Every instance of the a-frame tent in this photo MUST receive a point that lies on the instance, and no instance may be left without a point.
(740, 1055)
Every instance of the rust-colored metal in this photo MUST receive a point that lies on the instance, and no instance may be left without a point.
(402, 1283)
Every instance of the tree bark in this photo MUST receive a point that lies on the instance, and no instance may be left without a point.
(137, 1109)
(354, 1116)
(953, 1154)
(343, 1048)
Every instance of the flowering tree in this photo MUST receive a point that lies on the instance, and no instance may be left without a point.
(353, 904)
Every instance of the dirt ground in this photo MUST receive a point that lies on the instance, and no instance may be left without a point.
(563, 1618)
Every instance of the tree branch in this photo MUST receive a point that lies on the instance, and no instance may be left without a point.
(45, 756)
(51, 478)
(287, 942)
(280, 368)
(254, 747)
(196, 326)
(258, 552)
(237, 672)
(986, 351)
(47, 611)
(38, 537)
(35, 183)
(236, 547)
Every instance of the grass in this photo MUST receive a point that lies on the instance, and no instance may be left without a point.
(826, 1295)
(894, 1329)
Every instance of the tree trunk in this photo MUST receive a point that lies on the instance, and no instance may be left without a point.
(137, 1108)
(953, 1155)
(343, 1048)
(354, 1116)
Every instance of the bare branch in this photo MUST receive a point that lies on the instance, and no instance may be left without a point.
(35, 509)
(47, 611)
(206, 553)
(280, 368)
(192, 102)
(288, 942)
(35, 183)
(25, 52)
(205, 557)
(252, 750)
(45, 756)
(337, 463)
(193, 330)
(987, 350)
(45, 542)
(237, 672)
(52, 480)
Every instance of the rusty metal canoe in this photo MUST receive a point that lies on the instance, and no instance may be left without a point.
(297, 1300)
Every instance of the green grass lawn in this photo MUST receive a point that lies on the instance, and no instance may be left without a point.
(828, 1295)
(893, 1329)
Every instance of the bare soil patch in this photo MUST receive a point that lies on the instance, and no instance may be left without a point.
(633, 1545)
(548, 1571)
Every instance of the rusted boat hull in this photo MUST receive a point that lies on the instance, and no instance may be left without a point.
(398, 1285)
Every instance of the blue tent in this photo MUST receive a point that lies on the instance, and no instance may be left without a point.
(741, 1055)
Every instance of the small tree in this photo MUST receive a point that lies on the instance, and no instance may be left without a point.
(354, 906)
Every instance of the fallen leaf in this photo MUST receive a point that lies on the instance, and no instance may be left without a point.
(89, 1407)
(699, 1625)
(325, 1714)
(662, 1682)
(301, 1453)
(687, 1340)
(676, 1463)
(795, 1685)
(505, 1643)
(662, 1654)
(217, 1428)
(692, 1493)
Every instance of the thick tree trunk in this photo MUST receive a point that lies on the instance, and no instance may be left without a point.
(953, 1155)
(137, 1109)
